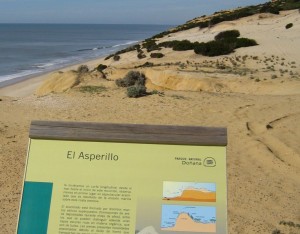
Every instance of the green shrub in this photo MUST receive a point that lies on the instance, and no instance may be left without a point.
(92, 89)
(160, 35)
(245, 42)
(83, 69)
(132, 78)
(141, 55)
(168, 44)
(117, 57)
(214, 48)
(147, 64)
(227, 34)
(183, 45)
(270, 8)
(156, 55)
(150, 45)
(135, 83)
(109, 56)
(276, 231)
(136, 91)
(128, 49)
(178, 45)
(101, 67)
(289, 25)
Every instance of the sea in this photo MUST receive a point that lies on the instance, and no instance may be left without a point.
(31, 49)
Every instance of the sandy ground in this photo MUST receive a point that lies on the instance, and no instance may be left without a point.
(262, 117)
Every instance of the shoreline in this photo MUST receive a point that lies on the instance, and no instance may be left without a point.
(26, 85)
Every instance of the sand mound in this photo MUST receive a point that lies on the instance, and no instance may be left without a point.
(175, 80)
(58, 82)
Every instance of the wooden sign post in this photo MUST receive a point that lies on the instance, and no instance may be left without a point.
(124, 178)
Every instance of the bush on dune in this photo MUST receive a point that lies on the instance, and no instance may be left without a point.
(156, 55)
(117, 57)
(214, 48)
(183, 45)
(132, 78)
(136, 91)
(245, 42)
(135, 82)
(227, 34)
(83, 69)
(289, 25)
(101, 67)
(150, 45)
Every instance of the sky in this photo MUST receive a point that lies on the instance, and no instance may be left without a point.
(171, 12)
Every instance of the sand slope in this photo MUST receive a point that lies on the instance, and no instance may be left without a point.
(263, 184)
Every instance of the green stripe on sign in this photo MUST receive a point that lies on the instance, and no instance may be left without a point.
(35, 208)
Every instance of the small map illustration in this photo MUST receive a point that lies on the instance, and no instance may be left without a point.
(189, 191)
(188, 218)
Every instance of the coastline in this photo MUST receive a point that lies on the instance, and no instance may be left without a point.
(25, 86)
(78, 44)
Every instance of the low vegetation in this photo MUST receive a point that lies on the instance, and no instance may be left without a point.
(135, 82)
(225, 43)
(101, 67)
(117, 57)
(214, 48)
(92, 89)
(146, 64)
(227, 34)
(289, 25)
(128, 49)
(183, 45)
(290, 224)
(150, 45)
(156, 55)
(141, 55)
(136, 91)
(132, 78)
(83, 69)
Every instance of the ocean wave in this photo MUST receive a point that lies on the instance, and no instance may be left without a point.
(18, 75)
(43, 65)
(107, 47)
(127, 43)
(89, 49)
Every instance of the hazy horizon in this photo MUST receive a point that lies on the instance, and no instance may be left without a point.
(163, 12)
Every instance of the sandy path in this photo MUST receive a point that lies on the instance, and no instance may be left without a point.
(263, 188)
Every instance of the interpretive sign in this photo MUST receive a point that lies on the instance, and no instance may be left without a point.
(121, 178)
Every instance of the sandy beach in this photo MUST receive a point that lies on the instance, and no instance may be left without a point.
(260, 111)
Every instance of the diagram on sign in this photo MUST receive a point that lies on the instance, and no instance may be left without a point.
(188, 218)
(189, 191)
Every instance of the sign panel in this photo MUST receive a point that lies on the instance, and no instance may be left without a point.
(118, 187)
